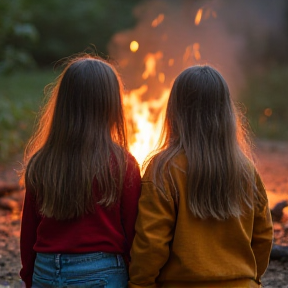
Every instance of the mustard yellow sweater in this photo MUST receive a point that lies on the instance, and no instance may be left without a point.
(174, 249)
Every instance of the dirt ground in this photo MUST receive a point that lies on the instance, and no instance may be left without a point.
(272, 163)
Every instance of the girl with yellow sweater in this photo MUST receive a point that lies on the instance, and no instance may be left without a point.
(204, 219)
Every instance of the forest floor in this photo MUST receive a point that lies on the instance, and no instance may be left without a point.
(271, 162)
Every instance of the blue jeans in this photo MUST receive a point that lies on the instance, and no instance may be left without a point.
(87, 270)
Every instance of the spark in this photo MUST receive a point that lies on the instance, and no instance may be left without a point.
(198, 17)
(134, 46)
(157, 20)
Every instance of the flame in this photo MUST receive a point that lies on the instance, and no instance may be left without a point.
(196, 52)
(204, 13)
(150, 64)
(161, 77)
(134, 46)
(171, 62)
(145, 116)
(157, 20)
(145, 128)
(187, 54)
(192, 52)
(198, 16)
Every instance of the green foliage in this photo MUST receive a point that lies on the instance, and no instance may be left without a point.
(266, 99)
(20, 95)
(14, 120)
(70, 26)
(43, 32)
(16, 34)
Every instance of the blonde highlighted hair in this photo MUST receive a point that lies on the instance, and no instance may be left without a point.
(202, 120)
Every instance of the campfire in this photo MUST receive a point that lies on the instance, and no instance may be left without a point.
(145, 104)
(151, 68)
(162, 44)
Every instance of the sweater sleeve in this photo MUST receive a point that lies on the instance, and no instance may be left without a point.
(129, 201)
(262, 231)
(29, 224)
(154, 232)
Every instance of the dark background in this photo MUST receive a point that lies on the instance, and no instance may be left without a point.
(246, 40)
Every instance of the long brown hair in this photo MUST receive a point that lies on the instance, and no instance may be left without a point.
(202, 121)
(81, 138)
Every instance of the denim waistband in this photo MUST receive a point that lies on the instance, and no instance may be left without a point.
(97, 269)
(79, 257)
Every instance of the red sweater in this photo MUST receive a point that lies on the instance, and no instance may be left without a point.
(108, 230)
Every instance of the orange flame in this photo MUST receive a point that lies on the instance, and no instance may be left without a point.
(150, 64)
(196, 52)
(146, 130)
(157, 20)
(192, 51)
(145, 117)
(198, 16)
(171, 62)
(161, 77)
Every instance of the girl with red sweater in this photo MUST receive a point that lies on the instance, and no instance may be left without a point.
(82, 185)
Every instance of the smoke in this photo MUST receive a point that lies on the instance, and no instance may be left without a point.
(223, 39)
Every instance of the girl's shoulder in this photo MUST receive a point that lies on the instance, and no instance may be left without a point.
(260, 185)
(130, 159)
(177, 162)
(132, 165)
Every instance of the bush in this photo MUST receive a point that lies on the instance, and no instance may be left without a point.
(16, 34)
(15, 121)
(266, 99)
(21, 95)
(43, 32)
(70, 26)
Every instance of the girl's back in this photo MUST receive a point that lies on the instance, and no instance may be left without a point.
(203, 215)
(201, 251)
(82, 185)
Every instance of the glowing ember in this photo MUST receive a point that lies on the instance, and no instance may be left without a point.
(268, 112)
(134, 46)
(198, 17)
(157, 20)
